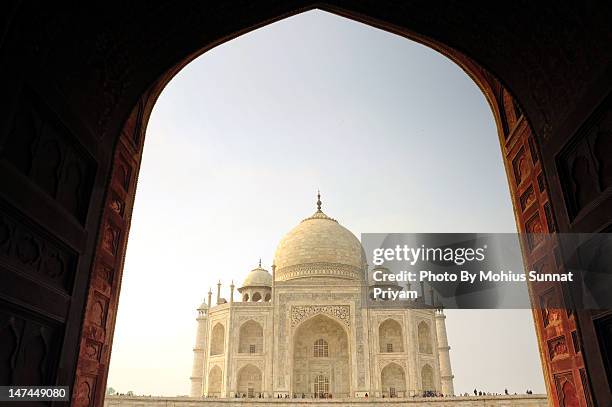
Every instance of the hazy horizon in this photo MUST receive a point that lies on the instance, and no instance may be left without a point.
(397, 138)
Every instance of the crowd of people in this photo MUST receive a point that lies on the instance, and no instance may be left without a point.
(484, 393)
(287, 396)
(432, 393)
(426, 393)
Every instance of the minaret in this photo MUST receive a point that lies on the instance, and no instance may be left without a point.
(219, 292)
(199, 351)
(232, 290)
(446, 373)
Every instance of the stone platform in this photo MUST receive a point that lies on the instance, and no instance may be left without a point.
(524, 400)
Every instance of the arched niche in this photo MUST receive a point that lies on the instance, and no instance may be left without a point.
(249, 381)
(393, 381)
(250, 337)
(215, 380)
(390, 338)
(311, 339)
(424, 337)
(217, 340)
(427, 378)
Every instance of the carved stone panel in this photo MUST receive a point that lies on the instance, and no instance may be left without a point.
(586, 163)
(557, 348)
(84, 393)
(27, 248)
(45, 151)
(521, 167)
(535, 231)
(29, 349)
(566, 390)
(551, 313)
(527, 198)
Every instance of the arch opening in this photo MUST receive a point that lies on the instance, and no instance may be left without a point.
(321, 359)
(390, 336)
(393, 381)
(217, 343)
(115, 73)
(424, 337)
(249, 382)
(215, 381)
(427, 378)
(251, 338)
(395, 346)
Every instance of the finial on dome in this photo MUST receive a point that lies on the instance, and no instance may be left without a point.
(319, 213)
(260, 262)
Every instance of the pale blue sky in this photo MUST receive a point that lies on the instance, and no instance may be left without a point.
(398, 139)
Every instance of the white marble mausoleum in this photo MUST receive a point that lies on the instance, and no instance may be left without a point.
(304, 329)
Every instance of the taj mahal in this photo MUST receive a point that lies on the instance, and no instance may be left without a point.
(303, 330)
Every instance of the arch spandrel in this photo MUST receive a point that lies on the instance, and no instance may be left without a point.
(302, 313)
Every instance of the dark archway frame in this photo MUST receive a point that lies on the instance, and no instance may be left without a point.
(509, 127)
(99, 72)
(518, 146)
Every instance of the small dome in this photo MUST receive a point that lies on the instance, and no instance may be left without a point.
(258, 277)
(203, 306)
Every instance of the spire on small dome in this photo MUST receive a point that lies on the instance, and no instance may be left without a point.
(319, 200)
(258, 277)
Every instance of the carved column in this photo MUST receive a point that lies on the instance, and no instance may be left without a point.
(554, 318)
(103, 294)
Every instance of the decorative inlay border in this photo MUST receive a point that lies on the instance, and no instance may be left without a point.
(302, 312)
(319, 270)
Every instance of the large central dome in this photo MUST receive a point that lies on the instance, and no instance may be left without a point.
(319, 247)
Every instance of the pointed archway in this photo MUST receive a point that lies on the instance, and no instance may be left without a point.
(393, 381)
(249, 382)
(321, 358)
(95, 104)
(214, 384)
